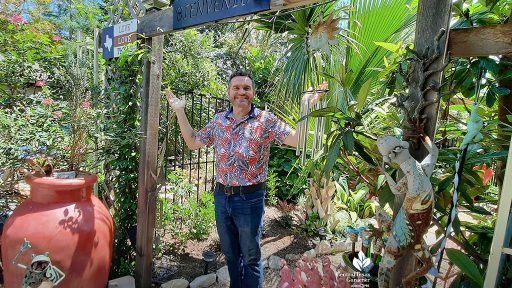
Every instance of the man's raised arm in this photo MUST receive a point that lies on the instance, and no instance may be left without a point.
(178, 105)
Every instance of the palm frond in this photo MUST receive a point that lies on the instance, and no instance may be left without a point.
(375, 21)
(298, 72)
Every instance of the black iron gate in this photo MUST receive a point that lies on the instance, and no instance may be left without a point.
(197, 166)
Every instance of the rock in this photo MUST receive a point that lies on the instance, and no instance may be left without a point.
(292, 257)
(275, 262)
(310, 254)
(175, 283)
(336, 260)
(204, 281)
(223, 276)
(123, 282)
(341, 246)
(323, 248)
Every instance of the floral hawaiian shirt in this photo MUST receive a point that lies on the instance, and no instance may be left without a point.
(242, 148)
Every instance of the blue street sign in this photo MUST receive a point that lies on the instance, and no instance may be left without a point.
(188, 13)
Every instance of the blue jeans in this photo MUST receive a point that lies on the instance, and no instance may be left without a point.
(239, 220)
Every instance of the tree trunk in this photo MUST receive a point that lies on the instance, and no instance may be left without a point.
(432, 16)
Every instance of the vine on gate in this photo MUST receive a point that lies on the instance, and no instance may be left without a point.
(121, 154)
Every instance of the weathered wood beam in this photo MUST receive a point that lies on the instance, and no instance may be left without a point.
(160, 22)
(146, 201)
(481, 41)
(432, 16)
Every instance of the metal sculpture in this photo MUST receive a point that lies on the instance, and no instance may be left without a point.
(415, 215)
(40, 269)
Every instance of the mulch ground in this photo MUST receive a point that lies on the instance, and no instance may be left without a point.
(277, 240)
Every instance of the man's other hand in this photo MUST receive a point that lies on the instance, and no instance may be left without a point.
(175, 102)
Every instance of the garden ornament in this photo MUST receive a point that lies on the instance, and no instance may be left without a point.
(375, 234)
(366, 240)
(474, 126)
(378, 245)
(353, 235)
(40, 269)
(324, 34)
(311, 100)
(415, 215)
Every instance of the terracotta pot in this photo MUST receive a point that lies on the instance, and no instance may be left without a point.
(63, 218)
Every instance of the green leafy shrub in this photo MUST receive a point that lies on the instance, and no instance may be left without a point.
(32, 129)
(286, 169)
(272, 182)
(187, 216)
(312, 223)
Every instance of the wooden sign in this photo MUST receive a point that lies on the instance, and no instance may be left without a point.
(115, 39)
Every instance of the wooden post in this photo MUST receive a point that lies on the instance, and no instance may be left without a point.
(501, 229)
(432, 16)
(481, 41)
(97, 46)
(146, 203)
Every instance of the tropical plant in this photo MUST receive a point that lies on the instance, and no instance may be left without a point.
(286, 209)
(364, 61)
(358, 74)
(355, 201)
(475, 276)
(290, 180)
(304, 64)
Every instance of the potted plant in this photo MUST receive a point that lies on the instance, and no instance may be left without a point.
(62, 222)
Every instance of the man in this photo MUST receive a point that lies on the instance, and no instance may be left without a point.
(241, 137)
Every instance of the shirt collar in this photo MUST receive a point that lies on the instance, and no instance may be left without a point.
(253, 113)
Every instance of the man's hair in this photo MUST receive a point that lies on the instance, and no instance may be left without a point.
(242, 73)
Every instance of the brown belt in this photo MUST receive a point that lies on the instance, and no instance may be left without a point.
(233, 190)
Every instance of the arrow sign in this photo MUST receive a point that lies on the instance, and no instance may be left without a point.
(115, 39)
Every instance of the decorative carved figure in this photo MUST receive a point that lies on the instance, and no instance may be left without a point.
(415, 215)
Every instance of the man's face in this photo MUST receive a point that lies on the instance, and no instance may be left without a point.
(241, 92)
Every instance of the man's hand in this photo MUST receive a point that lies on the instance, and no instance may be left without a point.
(174, 101)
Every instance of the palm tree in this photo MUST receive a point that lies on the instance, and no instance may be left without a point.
(352, 66)
(301, 65)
